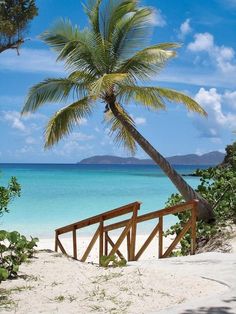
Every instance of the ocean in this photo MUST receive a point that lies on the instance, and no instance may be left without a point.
(54, 195)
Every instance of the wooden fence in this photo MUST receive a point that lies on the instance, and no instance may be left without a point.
(129, 231)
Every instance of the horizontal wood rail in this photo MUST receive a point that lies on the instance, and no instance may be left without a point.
(129, 231)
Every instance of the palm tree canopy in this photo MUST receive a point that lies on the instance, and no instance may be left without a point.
(112, 58)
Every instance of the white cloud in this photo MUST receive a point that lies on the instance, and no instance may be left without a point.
(157, 19)
(14, 119)
(230, 98)
(79, 136)
(30, 60)
(76, 143)
(24, 124)
(217, 120)
(140, 120)
(222, 56)
(185, 29)
(30, 140)
(203, 42)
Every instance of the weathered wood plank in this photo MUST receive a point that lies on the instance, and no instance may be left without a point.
(128, 245)
(91, 244)
(112, 245)
(133, 234)
(96, 219)
(106, 244)
(61, 246)
(155, 214)
(121, 238)
(56, 243)
(193, 229)
(101, 241)
(160, 239)
(177, 239)
(147, 242)
(74, 244)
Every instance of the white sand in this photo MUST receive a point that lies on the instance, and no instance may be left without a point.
(52, 283)
(82, 243)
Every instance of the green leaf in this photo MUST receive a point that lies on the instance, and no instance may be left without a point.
(3, 235)
(13, 236)
(3, 274)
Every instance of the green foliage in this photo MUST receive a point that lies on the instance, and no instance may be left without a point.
(218, 186)
(105, 63)
(14, 19)
(112, 261)
(14, 250)
(7, 194)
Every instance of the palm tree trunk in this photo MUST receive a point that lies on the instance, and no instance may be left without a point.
(205, 211)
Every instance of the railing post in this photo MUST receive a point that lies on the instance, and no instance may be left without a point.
(74, 244)
(106, 244)
(128, 246)
(193, 227)
(56, 242)
(160, 239)
(101, 241)
(133, 232)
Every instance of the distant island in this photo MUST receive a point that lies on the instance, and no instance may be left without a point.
(212, 158)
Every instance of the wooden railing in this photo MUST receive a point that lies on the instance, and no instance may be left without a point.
(129, 224)
(129, 231)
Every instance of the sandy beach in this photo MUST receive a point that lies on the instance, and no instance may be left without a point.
(53, 283)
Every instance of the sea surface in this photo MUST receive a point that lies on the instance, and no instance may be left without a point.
(54, 195)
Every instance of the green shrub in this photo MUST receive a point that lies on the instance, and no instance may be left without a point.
(7, 194)
(14, 250)
(218, 186)
(113, 261)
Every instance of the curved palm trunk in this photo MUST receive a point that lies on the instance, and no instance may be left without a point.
(205, 211)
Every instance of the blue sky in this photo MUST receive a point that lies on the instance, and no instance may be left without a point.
(205, 69)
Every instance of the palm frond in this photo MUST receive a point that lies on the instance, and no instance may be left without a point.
(106, 83)
(146, 96)
(51, 90)
(178, 97)
(131, 33)
(62, 123)
(153, 97)
(80, 76)
(92, 11)
(148, 61)
(121, 135)
(60, 34)
(116, 11)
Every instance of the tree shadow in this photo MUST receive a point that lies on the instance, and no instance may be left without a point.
(213, 309)
(210, 310)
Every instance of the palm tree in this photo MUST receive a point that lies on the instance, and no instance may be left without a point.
(108, 63)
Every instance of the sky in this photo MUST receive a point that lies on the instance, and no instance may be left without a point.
(205, 69)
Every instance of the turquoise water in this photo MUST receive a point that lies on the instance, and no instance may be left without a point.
(56, 195)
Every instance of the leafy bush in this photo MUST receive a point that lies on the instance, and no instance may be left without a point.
(113, 261)
(14, 250)
(14, 247)
(7, 194)
(218, 186)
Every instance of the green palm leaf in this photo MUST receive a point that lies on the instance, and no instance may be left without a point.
(60, 34)
(153, 97)
(178, 97)
(146, 96)
(106, 83)
(51, 90)
(62, 123)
